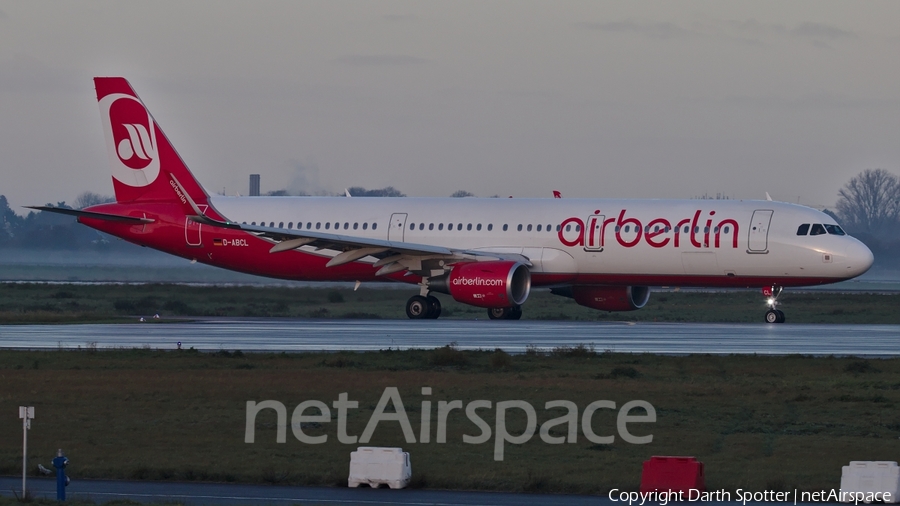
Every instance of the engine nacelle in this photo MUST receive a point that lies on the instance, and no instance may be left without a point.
(486, 284)
(611, 298)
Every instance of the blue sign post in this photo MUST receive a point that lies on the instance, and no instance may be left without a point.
(62, 481)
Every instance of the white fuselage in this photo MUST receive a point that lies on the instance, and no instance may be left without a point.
(620, 241)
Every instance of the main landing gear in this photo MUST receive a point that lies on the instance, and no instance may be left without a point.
(420, 307)
(505, 313)
(773, 315)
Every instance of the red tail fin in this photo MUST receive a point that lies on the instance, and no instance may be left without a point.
(145, 166)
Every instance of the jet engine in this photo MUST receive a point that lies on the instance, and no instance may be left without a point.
(495, 284)
(606, 297)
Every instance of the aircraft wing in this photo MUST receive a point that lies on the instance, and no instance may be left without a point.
(391, 256)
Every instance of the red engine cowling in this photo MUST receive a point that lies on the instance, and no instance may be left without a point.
(612, 298)
(486, 284)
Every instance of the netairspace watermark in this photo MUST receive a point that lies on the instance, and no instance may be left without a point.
(501, 435)
(663, 497)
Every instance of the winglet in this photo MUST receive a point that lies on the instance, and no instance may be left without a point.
(768, 197)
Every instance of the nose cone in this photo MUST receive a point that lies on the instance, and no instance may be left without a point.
(859, 258)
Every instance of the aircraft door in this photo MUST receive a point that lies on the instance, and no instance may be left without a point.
(192, 230)
(398, 227)
(593, 229)
(758, 235)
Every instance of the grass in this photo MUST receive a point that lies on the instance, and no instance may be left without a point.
(169, 415)
(70, 303)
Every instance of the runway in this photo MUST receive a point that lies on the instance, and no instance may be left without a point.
(270, 334)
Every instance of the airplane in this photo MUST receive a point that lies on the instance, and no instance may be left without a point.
(603, 253)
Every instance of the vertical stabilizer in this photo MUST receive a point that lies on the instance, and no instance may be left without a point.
(145, 166)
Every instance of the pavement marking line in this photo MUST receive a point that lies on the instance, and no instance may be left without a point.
(285, 499)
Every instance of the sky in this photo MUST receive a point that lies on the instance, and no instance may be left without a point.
(672, 99)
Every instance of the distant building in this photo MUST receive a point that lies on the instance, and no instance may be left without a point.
(254, 185)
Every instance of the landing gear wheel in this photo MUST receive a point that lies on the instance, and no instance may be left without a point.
(499, 313)
(417, 307)
(505, 313)
(773, 315)
(434, 307)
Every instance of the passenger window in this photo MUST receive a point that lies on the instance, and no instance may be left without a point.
(696, 230)
(290, 225)
(627, 228)
(440, 226)
(618, 228)
(355, 225)
(374, 226)
(705, 230)
(835, 230)
(318, 225)
(412, 226)
(449, 226)
(558, 227)
(686, 229)
(569, 227)
(346, 225)
(519, 227)
(726, 229)
(539, 227)
(254, 223)
(327, 225)
(578, 228)
(431, 226)
(803, 229)
(817, 229)
(365, 225)
(271, 224)
(459, 226)
(478, 227)
(505, 227)
(337, 225)
(469, 226)
(280, 224)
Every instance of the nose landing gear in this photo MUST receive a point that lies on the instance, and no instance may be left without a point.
(773, 315)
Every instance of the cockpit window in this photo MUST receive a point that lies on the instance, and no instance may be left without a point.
(803, 230)
(817, 229)
(835, 230)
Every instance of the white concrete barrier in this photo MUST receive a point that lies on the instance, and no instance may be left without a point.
(861, 480)
(379, 466)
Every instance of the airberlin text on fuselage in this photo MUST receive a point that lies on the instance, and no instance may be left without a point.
(658, 232)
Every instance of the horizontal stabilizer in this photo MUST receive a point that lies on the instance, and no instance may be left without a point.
(89, 214)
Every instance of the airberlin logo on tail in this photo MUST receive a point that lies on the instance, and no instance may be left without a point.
(130, 138)
(136, 146)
